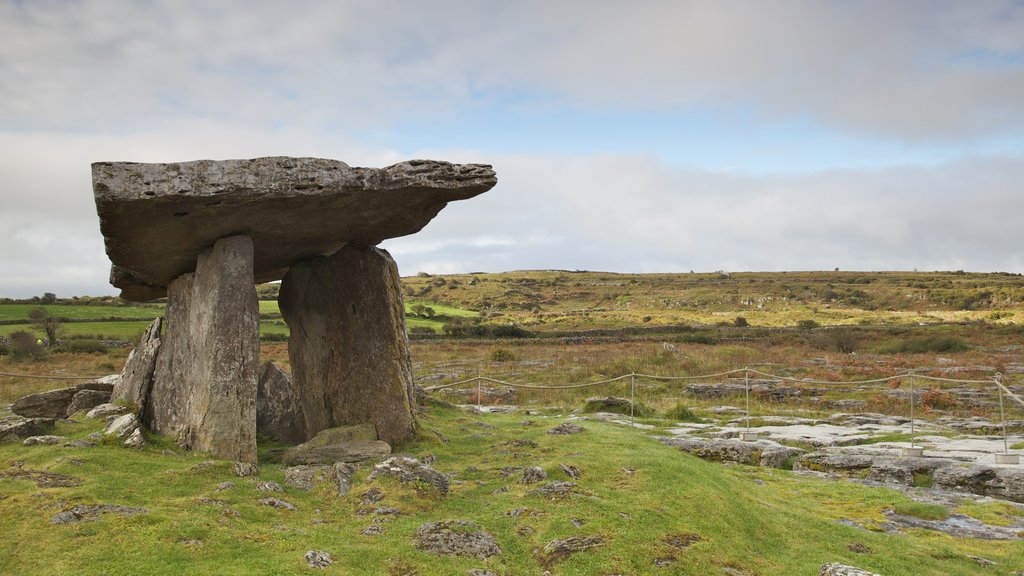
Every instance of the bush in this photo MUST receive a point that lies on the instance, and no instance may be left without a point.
(502, 355)
(421, 330)
(842, 340)
(740, 322)
(25, 346)
(87, 346)
(508, 331)
(274, 337)
(682, 413)
(807, 325)
(939, 344)
(935, 399)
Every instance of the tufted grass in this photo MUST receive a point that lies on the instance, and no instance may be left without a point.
(758, 521)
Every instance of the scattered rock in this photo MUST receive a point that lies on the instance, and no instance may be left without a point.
(277, 503)
(224, 486)
(529, 512)
(93, 511)
(858, 548)
(16, 427)
(480, 572)
(374, 530)
(534, 474)
(410, 470)
(555, 490)
(570, 471)
(123, 426)
(104, 410)
(55, 403)
(136, 439)
(49, 440)
(42, 478)
(982, 561)
(998, 482)
(269, 486)
(456, 538)
(244, 469)
(566, 428)
(80, 443)
(681, 541)
(371, 496)
(956, 525)
(87, 400)
(577, 522)
(318, 559)
(836, 569)
(562, 548)
(759, 453)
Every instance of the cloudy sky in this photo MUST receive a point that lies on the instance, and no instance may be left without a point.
(627, 136)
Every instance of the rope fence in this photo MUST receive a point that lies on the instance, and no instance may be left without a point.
(911, 376)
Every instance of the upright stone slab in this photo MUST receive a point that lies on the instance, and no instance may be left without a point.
(204, 387)
(278, 411)
(137, 375)
(348, 349)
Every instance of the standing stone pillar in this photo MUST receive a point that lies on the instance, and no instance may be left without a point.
(348, 348)
(204, 385)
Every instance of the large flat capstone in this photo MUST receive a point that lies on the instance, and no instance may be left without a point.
(157, 218)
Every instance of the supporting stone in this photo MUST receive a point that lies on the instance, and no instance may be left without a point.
(278, 412)
(137, 375)
(204, 386)
(348, 349)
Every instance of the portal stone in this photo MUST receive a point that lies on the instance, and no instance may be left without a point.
(204, 386)
(348, 349)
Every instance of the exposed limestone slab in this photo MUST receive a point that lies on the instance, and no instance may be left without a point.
(137, 375)
(55, 403)
(204, 385)
(278, 412)
(348, 349)
(157, 218)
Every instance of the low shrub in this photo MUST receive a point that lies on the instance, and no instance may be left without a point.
(82, 346)
(502, 355)
(936, 343)
(25, 346)
(682, 413)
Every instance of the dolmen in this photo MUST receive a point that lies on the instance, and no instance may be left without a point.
(204, 233)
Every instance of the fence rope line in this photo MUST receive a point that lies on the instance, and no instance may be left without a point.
(37, 377)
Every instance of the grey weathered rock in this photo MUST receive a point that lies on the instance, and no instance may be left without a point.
(277, 503)
(555, 490)
(135, 439)
(104, 410)
(480, 572)
(156, 218)
(244, 469)
(564, 547)
(123, 426)
(55, 403)
(566, 428)
(204, 385)
(278, 406)
(410, 470)
(93, 511)
(137, 375)
(760, 453)
(348, 348)
(837, 569)
(318, 559)
(534, 474)
(998, 482)
(352, 452)
(571, 471)
(48, 440)
(456, 538)
(87, 400)
(269, 486)
(826, 462)
(16, 427)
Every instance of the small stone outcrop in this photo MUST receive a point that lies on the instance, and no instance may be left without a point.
(998, 482)
(104, 410)
(278, 406)
(456, 538)
(564, 547)
(16, 427)
(407, 469)
(356, 443)
(55, 403)
(122, 427)
(46, 440)
(760, 453)
(87, 400)
(306, 477)
(837, 569)
(137, 375)
(318, 559)
(92, 512)
(204, 387)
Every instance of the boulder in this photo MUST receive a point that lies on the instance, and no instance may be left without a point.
(827, 462)
(104, 410)
(157, 218)
(278, 407)
(123, 426)
(456, 538)
(55, 403)
(348, 348)
(318, 559)
(407, 469)
(204, 385)
(996, 481)
(16, 427)
(837, 569)
(352, 452)
(135, 439)
(137, 375)
(566, 428)
(534, 474)
(47, 440)
(87, 400)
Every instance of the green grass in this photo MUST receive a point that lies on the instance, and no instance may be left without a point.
(780, 524)
(81, 312)
(921, 510)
